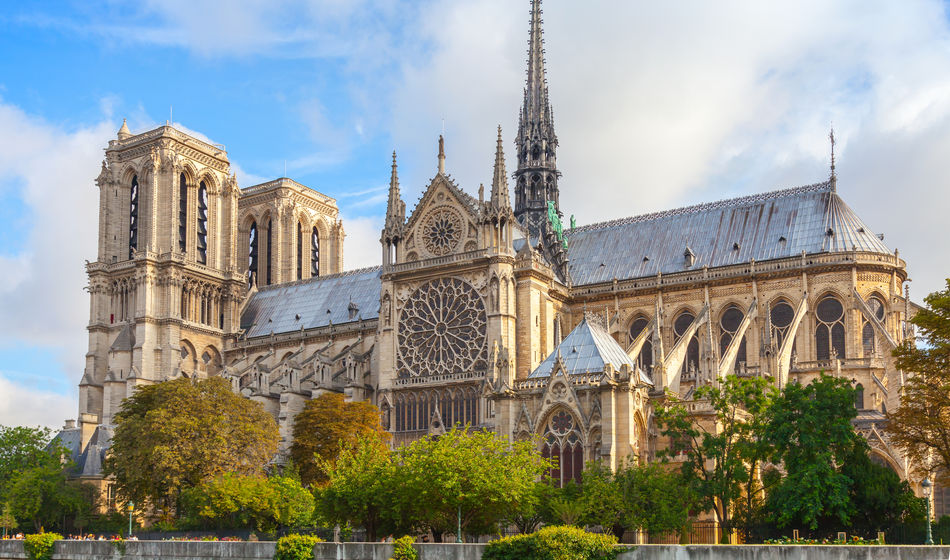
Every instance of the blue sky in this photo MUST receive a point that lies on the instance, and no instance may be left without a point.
(656, 105)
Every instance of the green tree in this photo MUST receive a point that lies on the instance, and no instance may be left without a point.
(181, 433)
(811, 431)
(720, 448)
(23, 448)
(324, 423)
(921, 425)
(880, 499)
(475, 475)
(360, 488)
(535, 509)
(604, 501)
(45, 497)
(7, 521)
(235, 501)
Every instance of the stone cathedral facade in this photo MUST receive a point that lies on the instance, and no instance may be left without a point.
(487, 309)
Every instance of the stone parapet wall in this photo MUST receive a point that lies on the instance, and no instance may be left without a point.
(192, 550)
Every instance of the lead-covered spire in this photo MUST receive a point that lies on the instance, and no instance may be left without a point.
(537, 174)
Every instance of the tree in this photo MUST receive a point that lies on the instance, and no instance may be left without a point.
(45, 497)
(811, 433)
(182, 433)
(921, 425)
(474, 477)
(360, 487)
(235, 501)
(324, 423)
(880, 499)
(7, 521)
(23, 448)
(719, 449)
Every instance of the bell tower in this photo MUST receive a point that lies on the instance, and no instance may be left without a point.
(164, 288)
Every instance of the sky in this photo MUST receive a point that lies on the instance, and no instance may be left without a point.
(657, 105)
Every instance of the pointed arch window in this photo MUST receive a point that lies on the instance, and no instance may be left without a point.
(252, 254)
(299, 250)
(680, 326)
(182, 213)
(315, 253)
(133, 216)
(729, 325)
(268, 248)
(781, 316)
(645, 358)
(868, 340)
(202, 223)
(829, 329)
(859, 396)
(562, 444)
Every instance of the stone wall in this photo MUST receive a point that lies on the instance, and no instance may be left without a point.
(190, 550)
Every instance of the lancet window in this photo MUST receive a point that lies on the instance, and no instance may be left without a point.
(414, 409)
(829, 329)
(202, 223)
(315, 253)
(781, 316)
(868, 340)
(182, 213)
(133, 216)
(562, 444)
(859, 396)
(299, 251)
(729, 325)
(645, 358)
(680, 326)
(252, 254)
(267, 248)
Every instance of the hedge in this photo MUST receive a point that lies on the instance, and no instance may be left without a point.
(554, 543)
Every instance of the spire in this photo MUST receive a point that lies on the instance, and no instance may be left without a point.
(124, 131)
(441, 155)
(537, 175)
(499, 184)
(396, 208)
(833, 178)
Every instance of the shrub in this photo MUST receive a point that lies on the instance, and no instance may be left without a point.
(554, 543)
(403, 549)
(296, 547)
(40, 546)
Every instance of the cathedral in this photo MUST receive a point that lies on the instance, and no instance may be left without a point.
(488, 308)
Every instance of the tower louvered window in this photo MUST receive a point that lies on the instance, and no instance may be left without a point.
(134, 216)
(315, 253)
(680, 326)
(252, 255)
(182, 213)
(299, 251)
(202, 224)
(829, 329)
(729, 323)
(645, 359)
(270, 227)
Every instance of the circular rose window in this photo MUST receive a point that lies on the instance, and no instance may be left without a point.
(442, 231)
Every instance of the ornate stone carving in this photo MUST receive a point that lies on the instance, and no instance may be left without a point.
(442, 330)
(442, 230)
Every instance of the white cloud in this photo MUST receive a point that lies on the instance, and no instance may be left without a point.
(361, 246)
(26, 406)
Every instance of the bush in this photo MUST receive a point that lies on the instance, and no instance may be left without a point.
(40, 546)
(296, 547)
(403, 549)
(554, 543)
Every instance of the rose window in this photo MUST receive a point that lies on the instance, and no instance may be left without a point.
(561, 423)
(442, 330)
(442, 231)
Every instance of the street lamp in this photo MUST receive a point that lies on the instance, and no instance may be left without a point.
(131, 508)
(927, 488)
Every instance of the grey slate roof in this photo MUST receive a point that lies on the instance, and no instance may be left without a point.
(314, 302)
(586, 350)
(771, 225)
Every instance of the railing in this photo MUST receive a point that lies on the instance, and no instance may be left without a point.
(436, 261)
(216, 150)
(433, 379)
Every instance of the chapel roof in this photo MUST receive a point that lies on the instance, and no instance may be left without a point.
(771, 225)
(315, 302)
(587, 349)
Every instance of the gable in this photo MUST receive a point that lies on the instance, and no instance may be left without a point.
(443, 223)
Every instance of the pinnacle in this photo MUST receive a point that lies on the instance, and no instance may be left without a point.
(124, 132)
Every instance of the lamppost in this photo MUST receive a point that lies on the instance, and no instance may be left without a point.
(131, 508)
(458, 532)
(927, 488)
